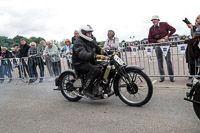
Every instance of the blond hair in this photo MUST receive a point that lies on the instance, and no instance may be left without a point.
(43, 41)
(67, 40)
(3, 48)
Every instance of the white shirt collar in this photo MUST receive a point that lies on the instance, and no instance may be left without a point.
(158, 25)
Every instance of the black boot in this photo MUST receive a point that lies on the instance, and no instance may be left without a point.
(87, 89)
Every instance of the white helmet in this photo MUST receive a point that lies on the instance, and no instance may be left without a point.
(85, 29)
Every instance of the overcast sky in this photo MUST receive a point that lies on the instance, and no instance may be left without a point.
(57, 19)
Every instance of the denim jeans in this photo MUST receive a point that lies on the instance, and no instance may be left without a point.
(33, 68)
(1, 74)
(5, 70)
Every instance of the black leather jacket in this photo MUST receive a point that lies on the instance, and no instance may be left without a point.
(23, 52)
(6, 56)
(84, 51)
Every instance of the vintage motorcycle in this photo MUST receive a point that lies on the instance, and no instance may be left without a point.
(130, 83)
(194, 95)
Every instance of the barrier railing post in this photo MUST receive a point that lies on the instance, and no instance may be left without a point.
(126, 54)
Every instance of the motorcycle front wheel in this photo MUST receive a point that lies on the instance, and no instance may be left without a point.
(67, 87)
(139, 93)
(196, 106)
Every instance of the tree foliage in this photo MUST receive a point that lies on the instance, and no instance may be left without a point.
(6, 42)
(101, 44)
(9, 42)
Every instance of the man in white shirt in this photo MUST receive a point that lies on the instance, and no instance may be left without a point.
(112, 41)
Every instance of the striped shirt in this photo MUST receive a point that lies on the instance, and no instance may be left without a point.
(34, 51)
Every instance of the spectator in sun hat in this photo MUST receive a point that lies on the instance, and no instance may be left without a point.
(158, 33)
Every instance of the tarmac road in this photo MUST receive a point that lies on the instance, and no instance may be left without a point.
(37, 108)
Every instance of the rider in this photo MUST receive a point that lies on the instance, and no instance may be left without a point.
(85, 52)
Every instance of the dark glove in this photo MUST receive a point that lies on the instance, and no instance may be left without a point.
(186, 21)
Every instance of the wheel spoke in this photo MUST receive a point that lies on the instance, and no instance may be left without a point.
(66, 79)
(139, 95)
(140, 83)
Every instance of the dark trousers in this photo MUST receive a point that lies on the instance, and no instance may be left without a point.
(56, 68)
(41, 67)
(33, 68)
(192, 69)
(91, 71)
(159, 55)
(23, 68)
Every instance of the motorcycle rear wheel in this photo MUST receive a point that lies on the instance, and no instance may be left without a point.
(196, 106)
(68, 93)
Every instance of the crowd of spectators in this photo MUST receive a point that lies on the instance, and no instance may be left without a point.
(27, 57)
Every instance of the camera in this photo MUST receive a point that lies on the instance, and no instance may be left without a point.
(186, 21)
(157, 37)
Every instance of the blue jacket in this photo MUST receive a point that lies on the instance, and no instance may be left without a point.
(64, 49)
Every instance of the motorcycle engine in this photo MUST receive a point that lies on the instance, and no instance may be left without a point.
(97, 90)
(78, 83)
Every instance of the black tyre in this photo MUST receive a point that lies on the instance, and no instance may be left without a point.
(67, 87)
(142, 92)
(196, 106)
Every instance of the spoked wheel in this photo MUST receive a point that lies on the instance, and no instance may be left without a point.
(196, 106)
(139, 92)
(67, 88)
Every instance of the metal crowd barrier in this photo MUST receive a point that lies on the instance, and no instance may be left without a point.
(35, 68)
(144, 55)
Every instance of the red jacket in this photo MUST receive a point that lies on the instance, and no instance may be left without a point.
(162, 30)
